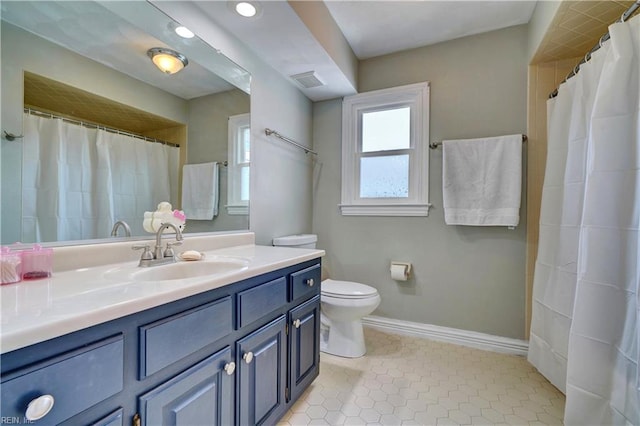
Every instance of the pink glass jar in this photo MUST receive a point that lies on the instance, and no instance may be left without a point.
(37, 263)
(10, 266)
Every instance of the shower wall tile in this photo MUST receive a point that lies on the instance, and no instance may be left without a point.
(577, 27)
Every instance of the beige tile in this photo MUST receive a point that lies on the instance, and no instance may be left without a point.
(369, 415)
(460, 417)
(445, 384)
(512, 419)
(471, 409)
(425, 418)
(480, 421)
(316, 412)
(493, 415)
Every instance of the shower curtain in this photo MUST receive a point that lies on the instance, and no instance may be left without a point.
(78, 181)
(584, 331)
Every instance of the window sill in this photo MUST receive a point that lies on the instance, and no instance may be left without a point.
(237, 210)
(384, 209)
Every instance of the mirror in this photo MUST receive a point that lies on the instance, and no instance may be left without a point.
(81, 70)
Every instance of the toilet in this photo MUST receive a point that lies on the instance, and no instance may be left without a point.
(342, 306)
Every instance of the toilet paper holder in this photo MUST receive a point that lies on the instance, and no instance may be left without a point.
(400, 271)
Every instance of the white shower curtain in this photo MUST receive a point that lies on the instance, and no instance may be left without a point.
(584, 331)
(137, 177)
(78, 181)
(56, 181)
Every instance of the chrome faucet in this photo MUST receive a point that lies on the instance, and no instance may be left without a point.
(168, 252)
(123, 224)
(159, 256)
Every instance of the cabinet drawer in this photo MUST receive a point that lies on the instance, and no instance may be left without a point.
(261, 300)
(305, 282)
(77, 380)
(166, 341)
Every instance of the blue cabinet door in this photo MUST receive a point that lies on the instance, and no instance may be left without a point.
(305, 345)
(262, 362)
(201, 395)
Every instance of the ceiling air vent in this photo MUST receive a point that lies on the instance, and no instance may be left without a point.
(308, 79)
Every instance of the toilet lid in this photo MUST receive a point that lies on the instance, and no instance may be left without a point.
(347, 289)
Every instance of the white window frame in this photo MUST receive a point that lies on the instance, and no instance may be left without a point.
(235, 205)
(415, 96)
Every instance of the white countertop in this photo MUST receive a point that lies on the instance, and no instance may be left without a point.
(35, 311)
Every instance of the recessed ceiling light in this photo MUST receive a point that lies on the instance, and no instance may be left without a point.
(246, 9)
(184, 32)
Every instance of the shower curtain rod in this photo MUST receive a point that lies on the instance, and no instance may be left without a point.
(632, 9)
(270, 132)
(434, 145)
(45, 114)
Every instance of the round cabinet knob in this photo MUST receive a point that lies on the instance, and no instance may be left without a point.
(230, 368)
(39, 407)
(248, 357)
(297, 323)
(310, 282)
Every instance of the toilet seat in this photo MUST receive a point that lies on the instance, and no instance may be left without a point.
(347, 290)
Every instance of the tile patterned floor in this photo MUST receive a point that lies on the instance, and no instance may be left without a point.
(411, 381)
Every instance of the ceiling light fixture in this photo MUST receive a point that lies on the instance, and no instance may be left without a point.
(184, 32)
(168, 61)
(246, 9)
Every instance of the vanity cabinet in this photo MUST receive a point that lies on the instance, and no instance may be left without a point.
(238, 354)
(199, 396)
(262, 374)
(62, 386)
(305, 345)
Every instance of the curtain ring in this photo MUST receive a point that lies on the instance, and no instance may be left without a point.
(576, 69)
(623, 18)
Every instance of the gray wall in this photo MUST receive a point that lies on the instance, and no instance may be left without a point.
(469, 278)
(280, 174)
(208, 141)
(539, 23)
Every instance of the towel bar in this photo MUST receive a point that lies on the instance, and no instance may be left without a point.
(434, 145)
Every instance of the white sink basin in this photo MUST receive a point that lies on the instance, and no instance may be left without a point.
(179, 270)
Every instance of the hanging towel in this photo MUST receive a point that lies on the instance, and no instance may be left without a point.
(200, 191)
(481, 181)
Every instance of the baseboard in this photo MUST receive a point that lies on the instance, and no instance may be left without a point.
(450, 335)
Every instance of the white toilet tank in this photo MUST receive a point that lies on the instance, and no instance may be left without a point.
(297, 241)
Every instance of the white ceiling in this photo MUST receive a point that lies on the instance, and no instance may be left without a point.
(277, 35)
(371, 27)
(375, 28)
(90, 29)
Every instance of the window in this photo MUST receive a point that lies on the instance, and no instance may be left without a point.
(239, 161)
(385, 155)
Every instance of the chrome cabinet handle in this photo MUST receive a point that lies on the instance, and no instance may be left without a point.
(39, 407)
(310, 282)
(297, 323)
(248, 357)
(230, 368)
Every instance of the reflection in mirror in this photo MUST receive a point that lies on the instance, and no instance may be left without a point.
(105, 133)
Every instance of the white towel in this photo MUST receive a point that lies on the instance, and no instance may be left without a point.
(481, 181)
(200, 191)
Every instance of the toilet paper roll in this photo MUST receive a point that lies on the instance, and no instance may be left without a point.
(399, 272)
